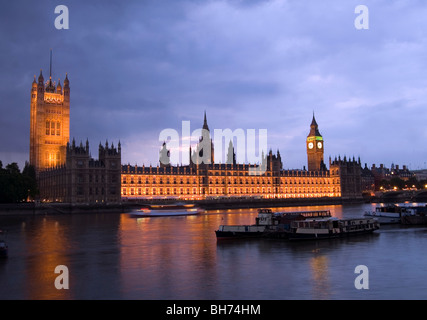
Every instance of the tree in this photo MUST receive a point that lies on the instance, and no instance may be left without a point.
(30, 181)
(16, 186)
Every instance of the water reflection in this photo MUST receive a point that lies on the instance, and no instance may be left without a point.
(115, 256)
(164, 257)
(321, 285)
(45, 243)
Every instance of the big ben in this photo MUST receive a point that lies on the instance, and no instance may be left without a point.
(315, 146)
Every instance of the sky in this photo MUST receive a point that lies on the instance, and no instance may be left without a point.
(137, 68)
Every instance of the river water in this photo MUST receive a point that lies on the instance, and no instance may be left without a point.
(115, 256)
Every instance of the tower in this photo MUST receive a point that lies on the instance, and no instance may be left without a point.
(50, 121)
(315, 148)
(164, 156)
(231, 155)
(204, 153)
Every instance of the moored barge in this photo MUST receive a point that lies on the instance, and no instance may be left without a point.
(331, 228)
(268, 224)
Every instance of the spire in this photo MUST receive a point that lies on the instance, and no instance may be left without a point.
(50, 86)
(313, 122)
(314, 129)
(41, 79)
(50, 69)
(205, 123)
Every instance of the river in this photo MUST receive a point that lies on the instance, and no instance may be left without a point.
(116, 256)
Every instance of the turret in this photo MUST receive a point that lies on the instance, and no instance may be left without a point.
(41, 78)
(59, 87)
(34, 88)
(66, 88)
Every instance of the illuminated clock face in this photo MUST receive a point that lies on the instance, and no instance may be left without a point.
(310, 145)
(319, 145)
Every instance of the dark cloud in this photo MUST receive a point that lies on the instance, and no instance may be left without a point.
(138, 67)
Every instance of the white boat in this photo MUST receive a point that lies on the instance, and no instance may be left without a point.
(164, 210)
(386, 215)
(331, 228)
(268, 224)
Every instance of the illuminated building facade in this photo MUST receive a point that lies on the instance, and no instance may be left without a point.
(50, 122)
(214, 180)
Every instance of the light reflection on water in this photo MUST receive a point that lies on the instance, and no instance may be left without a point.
(115, 256)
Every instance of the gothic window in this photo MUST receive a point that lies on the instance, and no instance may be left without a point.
(47, 128)
(52, 128)
(58, 128)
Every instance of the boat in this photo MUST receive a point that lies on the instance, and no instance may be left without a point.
(390, 214)
(3, 245)
(268, 224)
(414, 215)
(407, 214)
(163, 210)
(331, 228)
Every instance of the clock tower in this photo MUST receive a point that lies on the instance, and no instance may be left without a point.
(315, 148)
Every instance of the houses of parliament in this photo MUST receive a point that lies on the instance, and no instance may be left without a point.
(210, 180)
(67, 173)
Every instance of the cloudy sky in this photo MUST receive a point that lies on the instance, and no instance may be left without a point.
(139, 67)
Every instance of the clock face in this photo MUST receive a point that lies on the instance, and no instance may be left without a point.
(310, 145)
(319, 145)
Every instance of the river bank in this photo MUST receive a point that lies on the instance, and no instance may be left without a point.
(32, 208)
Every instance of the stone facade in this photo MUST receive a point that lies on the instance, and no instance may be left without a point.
(82, 179)
(50, 123)
(267, 180)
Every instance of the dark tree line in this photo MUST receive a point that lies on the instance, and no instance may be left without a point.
(17, 186)
(400, 184)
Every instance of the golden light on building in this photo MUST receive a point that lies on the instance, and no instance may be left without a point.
(232, 180)
(50, 122)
